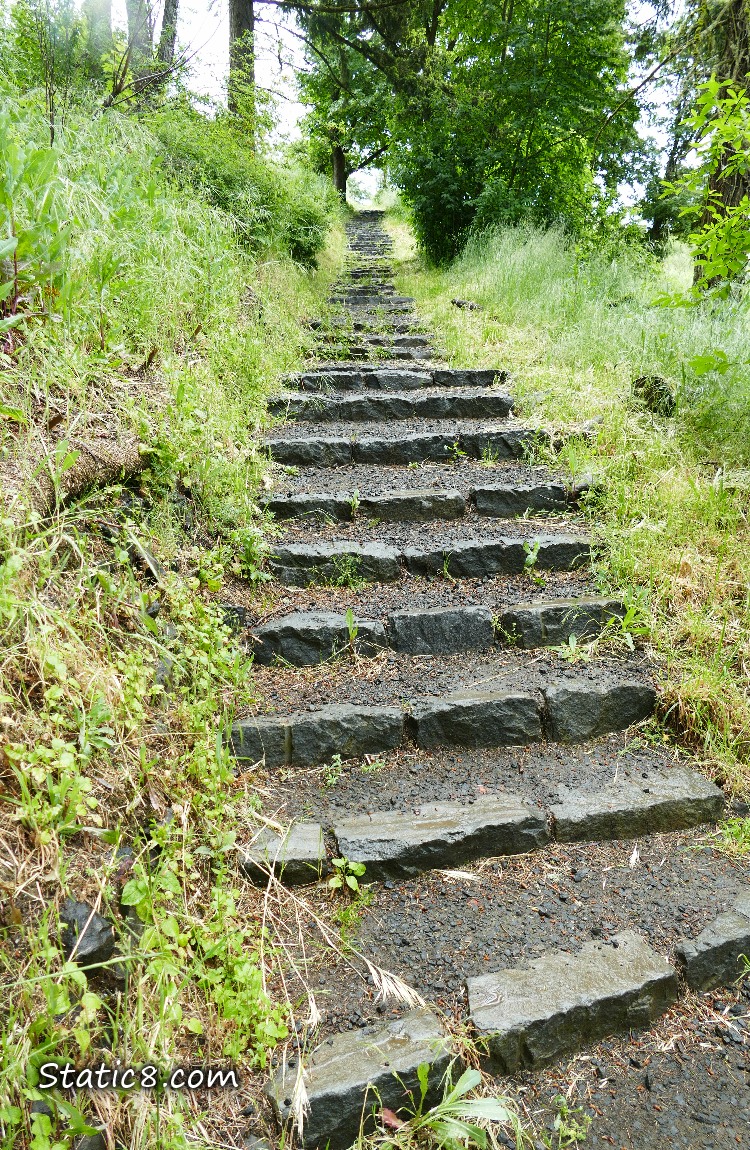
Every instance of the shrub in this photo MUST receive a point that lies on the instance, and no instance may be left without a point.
(271, 205)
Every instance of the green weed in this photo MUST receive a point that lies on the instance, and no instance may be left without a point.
(346, 875)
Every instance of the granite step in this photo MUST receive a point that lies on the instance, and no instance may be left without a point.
(532, 1015)
(549, 624)
(346, 1070)
(306, 638)
(361, 351)
(719, 955)
(299, 564)
(576, 710)
(376, 377)
(437, 834)
(411, 446)
(394, 405)
(414, 504)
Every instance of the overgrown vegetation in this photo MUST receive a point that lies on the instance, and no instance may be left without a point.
(576, 327)
(155, 274)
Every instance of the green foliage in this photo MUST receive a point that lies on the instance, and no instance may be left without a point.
(269, 206)
(346, 875)
(489, 113)
(719, 187)
(32, 233)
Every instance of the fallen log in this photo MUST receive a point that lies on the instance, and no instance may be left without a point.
(39, 476)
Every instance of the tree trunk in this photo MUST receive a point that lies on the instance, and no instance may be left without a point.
(339, 170)
(140, 31)
(241, 55)
(98, 15)
(168, 35)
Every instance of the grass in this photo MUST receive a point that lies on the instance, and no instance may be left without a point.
(118, 675)
(671, 525)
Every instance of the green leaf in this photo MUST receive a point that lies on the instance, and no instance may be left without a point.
(14, 414)
(351, 882)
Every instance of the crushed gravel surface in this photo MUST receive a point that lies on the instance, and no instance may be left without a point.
(370, 481)
(411, 593)
(391, 679)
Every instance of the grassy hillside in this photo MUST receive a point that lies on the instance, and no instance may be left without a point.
(576, 331)
(156, 279)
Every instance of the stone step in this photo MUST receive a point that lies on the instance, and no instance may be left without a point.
(659, 802)
(375, 377)
(296, 857)
(548, 624)
(298, 564)
(424, 504)
(396, 844)
(379, 338)
(718, 956)
(533, 1015)
(402, 843)
(409, 506)
(573, 711)
(377, 408)
(306, 638)
(500, 443)
(349, 1069)
(361, 351)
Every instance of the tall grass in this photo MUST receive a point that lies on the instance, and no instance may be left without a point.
(118, 677)
(672, 522)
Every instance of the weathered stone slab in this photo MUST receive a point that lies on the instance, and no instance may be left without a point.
(504, 500)
(297, 564)
(305, 638)
(313, 451)
(561, 1002)
(415, 447)
(717, 956)
(498, 442)
(532, 625)
(440, 631)
(361, 379)
(344, 729)
(323, 505)
(363, 1069)
(581, 709)
(491, 719)
(297, 857)
(468, 377)
(413, 506)
(263, 738)
(395, 844)
(664, 801)
(476, 558)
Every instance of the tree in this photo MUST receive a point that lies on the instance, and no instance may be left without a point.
(98, 15)
(168, 34)
(140, 31)
(490, 111)
(241, 54)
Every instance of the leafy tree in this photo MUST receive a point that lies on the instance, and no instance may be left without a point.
(490, 111)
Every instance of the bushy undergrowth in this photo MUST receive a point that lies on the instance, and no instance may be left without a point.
(576, 330)
(271, 205)
(144, 312)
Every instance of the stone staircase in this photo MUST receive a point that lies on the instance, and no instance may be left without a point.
(421, 541)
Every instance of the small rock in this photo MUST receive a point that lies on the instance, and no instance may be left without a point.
(93, 943)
